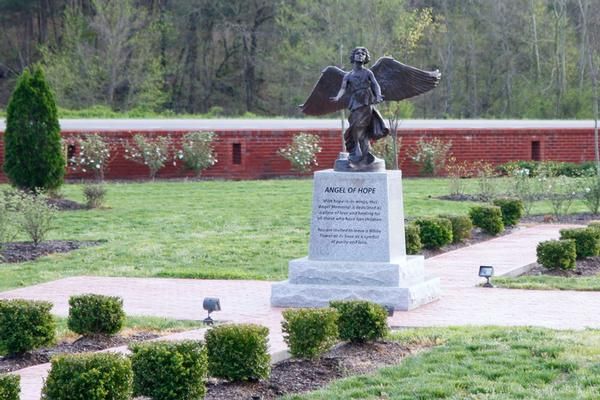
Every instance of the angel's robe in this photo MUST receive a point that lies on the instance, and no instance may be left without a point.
(365, 122)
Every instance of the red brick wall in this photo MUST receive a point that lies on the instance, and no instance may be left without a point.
(259, 157)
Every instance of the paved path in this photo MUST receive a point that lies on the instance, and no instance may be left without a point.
(462, 303)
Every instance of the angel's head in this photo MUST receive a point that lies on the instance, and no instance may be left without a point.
(360, 50)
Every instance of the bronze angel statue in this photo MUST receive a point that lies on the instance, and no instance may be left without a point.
(359, 90)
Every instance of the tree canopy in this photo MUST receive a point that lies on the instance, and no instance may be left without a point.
(499, 59)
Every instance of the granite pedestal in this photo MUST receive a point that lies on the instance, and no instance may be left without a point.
(357, 248)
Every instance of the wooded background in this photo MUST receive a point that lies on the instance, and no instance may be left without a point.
(499, 59)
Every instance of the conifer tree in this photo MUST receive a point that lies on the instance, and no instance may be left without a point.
(33, 155)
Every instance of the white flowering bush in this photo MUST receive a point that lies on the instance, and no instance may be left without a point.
(197, 151)
(95, 153)
(302, 152)
(384, 148)
(589, 187)
(152, 152)
(561, 191)
(431, 155)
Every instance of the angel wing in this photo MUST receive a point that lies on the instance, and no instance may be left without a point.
(328, 85)
(400, 81)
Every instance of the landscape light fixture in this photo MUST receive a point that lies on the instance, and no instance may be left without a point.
(389, 309)
(486, 271)
(211, 304)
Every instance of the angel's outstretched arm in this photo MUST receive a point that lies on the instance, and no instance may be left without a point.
(342, 89)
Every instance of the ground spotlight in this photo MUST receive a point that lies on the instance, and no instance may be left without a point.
(486, 272)
(211, 304)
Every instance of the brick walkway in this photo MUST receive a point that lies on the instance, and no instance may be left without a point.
(462, 303)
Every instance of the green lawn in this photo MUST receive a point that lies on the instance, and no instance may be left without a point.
(483, 363)
(206, 229)
(588, 283)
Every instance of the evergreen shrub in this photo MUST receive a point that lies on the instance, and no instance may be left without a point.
(554, 254)
(310, 332)
(25, 325)
(91, 376)
(238, 352)
(91, 314)
(461, 227)
(587, 241)
(169, 370)
(9, 387)
(512, 210)
(412, 238)
(435, 232)
(488, 218)
(33, 153)
(360, 320)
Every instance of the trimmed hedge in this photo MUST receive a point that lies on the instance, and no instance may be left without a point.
(238, 352)
(488, 218)
(435, 232)
(412, 238)
(512, 210)
(554, 254)
(461, 227)
(169, 370)
(310, 332)
(25, 325)
(96, 376)
(9, 387)
(360, 320)
(587, 241)
(92, 314)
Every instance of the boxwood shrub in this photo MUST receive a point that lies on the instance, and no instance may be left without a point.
(25, 325)
(92, 376)
(9, 387)
(92, 314)
(169, 370)
(461, 227)
(238, 352)
(412, 238)
(554, 254)
(360, 320)
(435, 232)
(310, 332)
(512, 210)
(488, 218)
(587, 241)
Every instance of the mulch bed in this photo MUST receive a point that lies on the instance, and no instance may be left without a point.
(81, 345)
(15, 252)
(586, 267)
(297, 376)
(66, 204)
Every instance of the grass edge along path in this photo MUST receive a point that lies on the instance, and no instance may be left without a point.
(482, 363)
(587, 283)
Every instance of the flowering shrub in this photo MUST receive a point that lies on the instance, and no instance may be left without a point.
(457, 171)
(152, 152)
(94, 155)
(561, 192)
(301, 153)
(431, 155)
(590, 189)
(485, 174)
(197, 152)
(384, 148)
(36, 216)
(524, 187)
(8, 217)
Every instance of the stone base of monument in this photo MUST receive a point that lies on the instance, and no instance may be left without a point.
(356, 248)
(401, 286)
